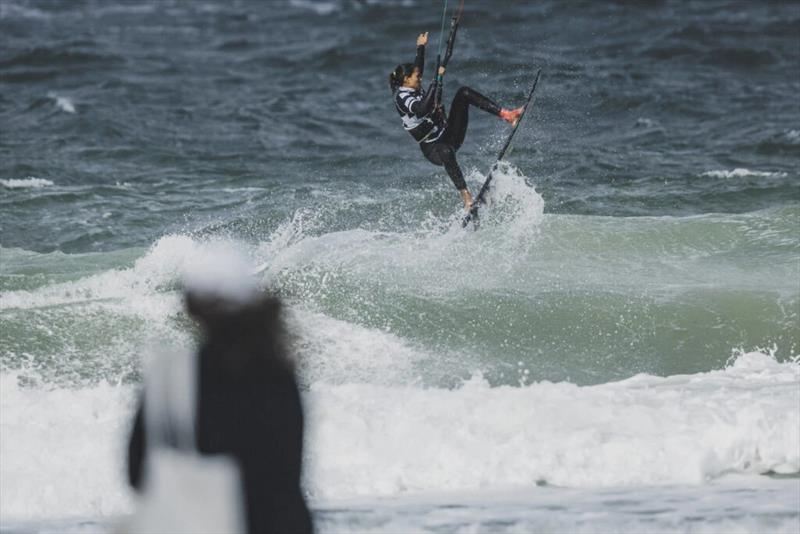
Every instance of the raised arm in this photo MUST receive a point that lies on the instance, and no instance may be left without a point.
(419, 61)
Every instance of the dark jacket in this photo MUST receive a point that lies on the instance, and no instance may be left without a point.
(249, 407)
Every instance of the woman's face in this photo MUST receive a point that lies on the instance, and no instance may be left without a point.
(412, 80)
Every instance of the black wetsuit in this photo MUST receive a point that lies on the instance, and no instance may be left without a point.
(439, 137)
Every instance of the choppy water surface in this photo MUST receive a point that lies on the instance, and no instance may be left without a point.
(621, 334)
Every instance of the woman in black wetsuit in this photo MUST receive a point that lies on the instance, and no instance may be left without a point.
(439, 137)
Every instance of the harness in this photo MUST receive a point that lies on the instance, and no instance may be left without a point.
(407, 113)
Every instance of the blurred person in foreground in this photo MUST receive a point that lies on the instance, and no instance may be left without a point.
(247, 404)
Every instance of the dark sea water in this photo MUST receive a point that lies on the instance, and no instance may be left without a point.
(646, 229)
(190, 115)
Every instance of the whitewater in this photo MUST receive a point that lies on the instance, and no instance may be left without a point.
(368, 442)
(615, 350)
(398, 423)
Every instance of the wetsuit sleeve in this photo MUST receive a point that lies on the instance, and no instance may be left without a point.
(419, 61)
(423, 107)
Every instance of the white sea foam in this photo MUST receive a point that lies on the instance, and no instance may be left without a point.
(513, 206)
(26, 183)
(338, 352)
(62, 450)
(63, 103)
(371, 440)
(424, 259)
(743, 173)
(373, 430)
(318, 7)
(513, 214)
(9, 9)
(162, 266)
(793, 136)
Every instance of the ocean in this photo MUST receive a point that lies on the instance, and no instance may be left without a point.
(617, 349)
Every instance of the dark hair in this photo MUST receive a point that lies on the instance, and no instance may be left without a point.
(399, 74)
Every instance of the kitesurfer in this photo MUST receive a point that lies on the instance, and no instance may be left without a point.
(439, 136)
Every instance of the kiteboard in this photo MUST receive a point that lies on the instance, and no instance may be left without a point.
(472, 215)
